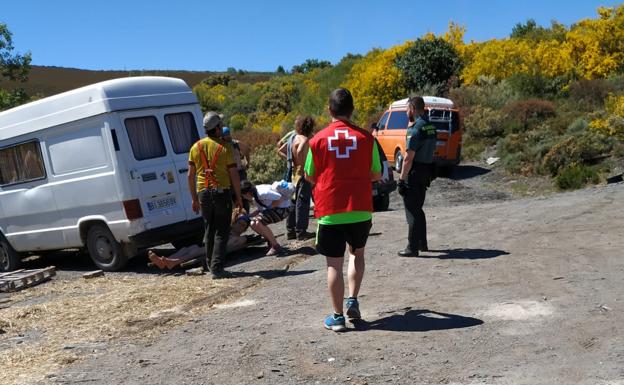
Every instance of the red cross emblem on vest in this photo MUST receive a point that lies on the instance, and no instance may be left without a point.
(342, 143)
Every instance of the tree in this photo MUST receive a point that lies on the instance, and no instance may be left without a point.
(430, 60)
(217, 79)
(280, 70)
(14, 68)
(309, 65)
(375, 81)
(531, 31)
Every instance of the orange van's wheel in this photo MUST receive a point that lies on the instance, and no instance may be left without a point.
(398, 161)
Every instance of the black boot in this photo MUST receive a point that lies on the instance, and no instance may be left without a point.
(407, 252)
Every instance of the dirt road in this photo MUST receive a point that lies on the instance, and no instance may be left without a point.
(516, 291)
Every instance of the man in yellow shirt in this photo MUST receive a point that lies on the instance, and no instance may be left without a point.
(212, 173)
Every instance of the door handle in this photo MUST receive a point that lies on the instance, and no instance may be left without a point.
(182, 170)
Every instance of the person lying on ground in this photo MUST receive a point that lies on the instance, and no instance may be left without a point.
(273, 204)
(236, 242)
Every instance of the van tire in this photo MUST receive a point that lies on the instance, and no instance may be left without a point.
(9, 258)
(398, 161)
(104, 249)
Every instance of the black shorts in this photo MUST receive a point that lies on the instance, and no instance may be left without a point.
(331, 240)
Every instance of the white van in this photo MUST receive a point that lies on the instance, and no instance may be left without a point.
(101, 167)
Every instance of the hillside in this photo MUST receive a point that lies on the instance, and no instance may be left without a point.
(46, 81)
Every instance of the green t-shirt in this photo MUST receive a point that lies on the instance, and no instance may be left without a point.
(349, 216)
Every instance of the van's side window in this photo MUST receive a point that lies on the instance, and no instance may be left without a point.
(398, 120)
(182, 131)
(145, 137)
(383, 121)
(21, 163)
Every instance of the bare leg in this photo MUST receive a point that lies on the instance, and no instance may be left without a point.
(263, 230)
(335, 282)
(355, 272)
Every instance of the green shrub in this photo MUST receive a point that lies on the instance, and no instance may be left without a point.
(257, 138)
(576, 176)
(592, 92)
(512, 162)
(577, 126)
(530, 110)
(484, 122)
(587, 147)
(472, 149)
(537, 86)
(486, 93)
(238, 122)
(266, 166)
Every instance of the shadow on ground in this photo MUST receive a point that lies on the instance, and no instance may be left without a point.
(270, 274)
(468, 171)
(465, 254)
(74, 262)
(418, 321)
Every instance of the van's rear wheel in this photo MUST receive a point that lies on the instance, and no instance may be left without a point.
(104, 249)
(9, 258)
(398, 161)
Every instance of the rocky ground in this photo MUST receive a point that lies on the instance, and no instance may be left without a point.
(514, 291)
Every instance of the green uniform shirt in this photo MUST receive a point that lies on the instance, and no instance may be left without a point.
(350, 216)
(422, 138)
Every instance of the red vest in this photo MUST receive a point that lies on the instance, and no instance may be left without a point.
(343, 156)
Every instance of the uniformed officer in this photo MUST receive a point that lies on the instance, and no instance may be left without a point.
(212, 172)
(416, 174)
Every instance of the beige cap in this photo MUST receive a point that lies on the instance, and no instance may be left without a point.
(211, 119)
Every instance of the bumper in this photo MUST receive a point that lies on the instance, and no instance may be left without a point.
(166, 234)
(380, 188)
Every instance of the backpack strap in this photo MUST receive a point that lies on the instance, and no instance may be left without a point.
(210, 179)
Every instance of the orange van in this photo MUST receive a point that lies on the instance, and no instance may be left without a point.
(391, 132)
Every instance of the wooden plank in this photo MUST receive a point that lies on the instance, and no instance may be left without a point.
(22, 279)
(11, 272)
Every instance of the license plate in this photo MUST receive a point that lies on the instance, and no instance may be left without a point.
(163, 203)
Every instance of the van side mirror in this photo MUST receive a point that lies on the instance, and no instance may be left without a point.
(374, 127)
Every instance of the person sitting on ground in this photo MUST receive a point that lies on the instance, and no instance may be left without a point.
(273, 203)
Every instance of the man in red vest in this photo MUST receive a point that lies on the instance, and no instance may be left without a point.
(342, 162)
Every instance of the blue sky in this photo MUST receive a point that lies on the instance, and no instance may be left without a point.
(252, 35)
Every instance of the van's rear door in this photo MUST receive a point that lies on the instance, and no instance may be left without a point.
(153, 169)
(181, 126)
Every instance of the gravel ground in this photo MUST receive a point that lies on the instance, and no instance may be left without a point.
(514, 291)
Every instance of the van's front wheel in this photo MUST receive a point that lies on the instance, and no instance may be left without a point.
(104, 249)
(9, 258)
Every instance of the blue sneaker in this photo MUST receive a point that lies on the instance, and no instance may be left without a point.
(336, 324)
(353, 308)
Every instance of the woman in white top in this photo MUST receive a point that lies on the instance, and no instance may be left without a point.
(273, 203)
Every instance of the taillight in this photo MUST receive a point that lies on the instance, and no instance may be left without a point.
(133, 209)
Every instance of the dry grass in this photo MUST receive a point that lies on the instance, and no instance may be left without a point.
(56, 314)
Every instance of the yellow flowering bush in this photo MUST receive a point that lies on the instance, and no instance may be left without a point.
(613, 123)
